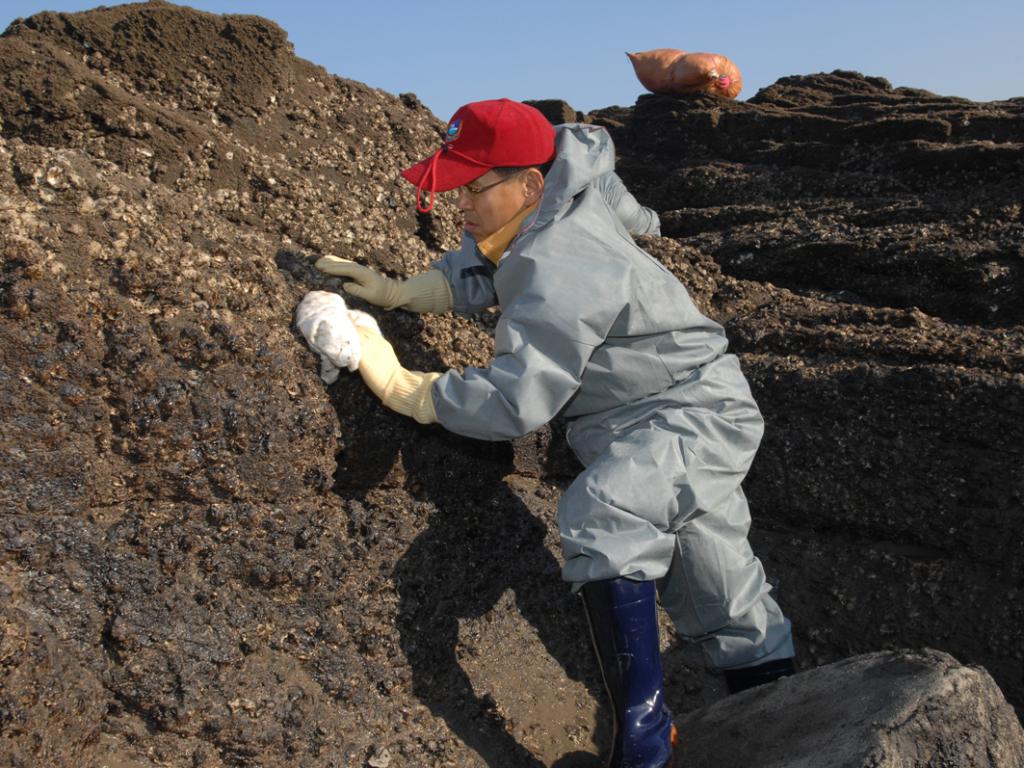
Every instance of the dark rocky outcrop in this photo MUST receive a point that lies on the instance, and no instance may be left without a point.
(207, 558)
(878, 317)
(843, 185)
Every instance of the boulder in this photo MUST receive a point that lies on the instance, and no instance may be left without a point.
(898, 709)
(556, 110)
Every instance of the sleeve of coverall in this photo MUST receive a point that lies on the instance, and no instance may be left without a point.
(637, 219)
(541, 350)
(470, 276)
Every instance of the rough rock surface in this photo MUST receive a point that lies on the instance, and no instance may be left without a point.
(843, 185)
(900, 710)
(207, 558)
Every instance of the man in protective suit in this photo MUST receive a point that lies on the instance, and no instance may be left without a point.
(594, 329)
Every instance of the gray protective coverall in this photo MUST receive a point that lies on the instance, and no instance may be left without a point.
(594, 329)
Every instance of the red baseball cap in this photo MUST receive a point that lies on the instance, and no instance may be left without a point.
(499, 133)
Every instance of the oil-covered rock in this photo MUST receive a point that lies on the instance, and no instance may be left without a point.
(208, 558)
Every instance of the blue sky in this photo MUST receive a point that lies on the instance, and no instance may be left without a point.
(449, 53)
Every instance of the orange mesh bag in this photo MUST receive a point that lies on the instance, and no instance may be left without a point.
(669, 70)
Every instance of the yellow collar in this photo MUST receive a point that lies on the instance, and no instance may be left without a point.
(494, 245)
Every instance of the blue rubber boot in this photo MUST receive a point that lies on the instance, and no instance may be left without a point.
(624, 628)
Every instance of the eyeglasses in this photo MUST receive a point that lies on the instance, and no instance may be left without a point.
(480, 190)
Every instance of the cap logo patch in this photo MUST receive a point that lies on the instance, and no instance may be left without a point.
(454, 129)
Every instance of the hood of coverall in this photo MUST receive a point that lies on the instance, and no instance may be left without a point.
(582, 154)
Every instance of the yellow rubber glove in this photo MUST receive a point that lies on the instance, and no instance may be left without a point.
(405, 392)
(426, 292)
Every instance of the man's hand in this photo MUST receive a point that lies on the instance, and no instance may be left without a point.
(405, 392)
(426, 292)
(366, 284)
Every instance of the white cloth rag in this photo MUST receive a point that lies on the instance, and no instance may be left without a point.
(330, 329)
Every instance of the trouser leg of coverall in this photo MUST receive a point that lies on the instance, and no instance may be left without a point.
(622, 615)
(716, 594)
(634, 511)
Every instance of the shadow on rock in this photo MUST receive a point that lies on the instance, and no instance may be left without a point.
(480, 541)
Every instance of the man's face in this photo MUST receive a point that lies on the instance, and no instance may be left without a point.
(492, 200)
